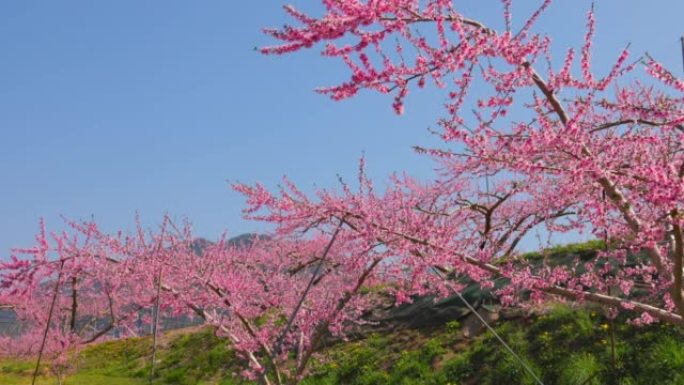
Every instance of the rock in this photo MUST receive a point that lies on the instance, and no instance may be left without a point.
(472, 326)
(426, 312)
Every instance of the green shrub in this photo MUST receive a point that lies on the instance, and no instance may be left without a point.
(565, 346)
(580, 369)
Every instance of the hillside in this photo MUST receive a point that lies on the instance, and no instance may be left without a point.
(564, 346)
(424, 342)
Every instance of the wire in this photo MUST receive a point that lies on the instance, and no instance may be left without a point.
(498, 337)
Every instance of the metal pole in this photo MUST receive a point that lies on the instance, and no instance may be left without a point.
(682, 41)
(47, 324)
(155, 326)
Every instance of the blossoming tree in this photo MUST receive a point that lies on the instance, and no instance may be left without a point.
(562, 149)
(593, 152)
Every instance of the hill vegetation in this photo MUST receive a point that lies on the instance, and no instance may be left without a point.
(563, 345)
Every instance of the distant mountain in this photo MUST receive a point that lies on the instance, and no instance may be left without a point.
(8, 322)
(245, 240)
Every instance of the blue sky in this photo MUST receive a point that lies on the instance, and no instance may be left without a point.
(108, 108)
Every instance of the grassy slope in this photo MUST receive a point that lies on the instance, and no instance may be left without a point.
(564, 346)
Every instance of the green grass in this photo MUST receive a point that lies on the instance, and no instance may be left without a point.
(564, 346)
(192, 358)
(19, 372)
(77, 379)
(572, 248)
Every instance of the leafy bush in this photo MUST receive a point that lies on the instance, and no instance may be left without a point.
(581, 369)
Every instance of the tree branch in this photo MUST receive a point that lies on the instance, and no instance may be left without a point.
(656, 312)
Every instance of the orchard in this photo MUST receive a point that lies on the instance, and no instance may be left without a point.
(525, 145)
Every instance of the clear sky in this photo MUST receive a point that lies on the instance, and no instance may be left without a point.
(113, 107)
